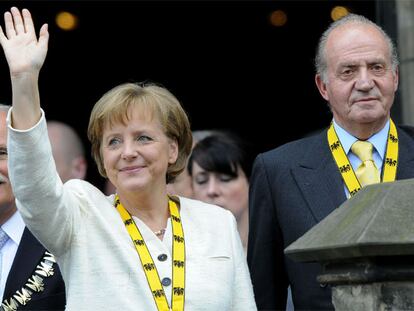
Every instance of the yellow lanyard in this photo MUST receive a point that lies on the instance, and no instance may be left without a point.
(178, 250)
(345, 168)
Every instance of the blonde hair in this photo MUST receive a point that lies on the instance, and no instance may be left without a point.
(114, 106)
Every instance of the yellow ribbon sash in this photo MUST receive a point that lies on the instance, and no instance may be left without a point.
(178, 250)
(345, 168)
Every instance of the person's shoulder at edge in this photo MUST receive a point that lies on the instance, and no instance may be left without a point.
(407, 129)
(296, 148)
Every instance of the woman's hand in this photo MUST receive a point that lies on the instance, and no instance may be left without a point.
(25, 56)
(24, 53)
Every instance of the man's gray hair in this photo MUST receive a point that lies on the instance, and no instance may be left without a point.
(321, 65)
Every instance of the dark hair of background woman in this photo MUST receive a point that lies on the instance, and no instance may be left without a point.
(222, 152)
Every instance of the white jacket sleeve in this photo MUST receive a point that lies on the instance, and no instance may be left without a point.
(40, 197)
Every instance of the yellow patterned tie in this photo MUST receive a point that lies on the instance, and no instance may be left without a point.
(367, 173)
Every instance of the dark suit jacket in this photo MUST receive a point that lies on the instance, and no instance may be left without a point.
(29, 254)
(292, 188)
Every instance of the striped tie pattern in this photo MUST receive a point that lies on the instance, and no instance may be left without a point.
(3, 239)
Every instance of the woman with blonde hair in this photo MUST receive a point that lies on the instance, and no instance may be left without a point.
(138, 249)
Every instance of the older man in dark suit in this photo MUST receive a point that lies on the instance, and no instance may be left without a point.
(29, 276)
(295, 186)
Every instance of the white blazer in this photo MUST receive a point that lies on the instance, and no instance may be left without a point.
(97, 258)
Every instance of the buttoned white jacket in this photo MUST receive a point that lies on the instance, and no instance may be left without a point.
(98, 260)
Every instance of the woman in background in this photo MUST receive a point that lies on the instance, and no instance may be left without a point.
(220, 170)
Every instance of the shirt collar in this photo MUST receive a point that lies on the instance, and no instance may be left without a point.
(379, 140)
(14, 227)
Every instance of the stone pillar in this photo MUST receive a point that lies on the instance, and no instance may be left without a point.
(366, 248)
(371, 283)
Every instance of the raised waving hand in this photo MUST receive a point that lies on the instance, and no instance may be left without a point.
(23, 51)
(25, 56)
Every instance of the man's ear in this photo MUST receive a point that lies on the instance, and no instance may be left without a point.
(396, 79)
(321, 86)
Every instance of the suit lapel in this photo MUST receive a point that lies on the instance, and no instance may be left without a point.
(29, 254)
(405, 168)
(319, 180)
